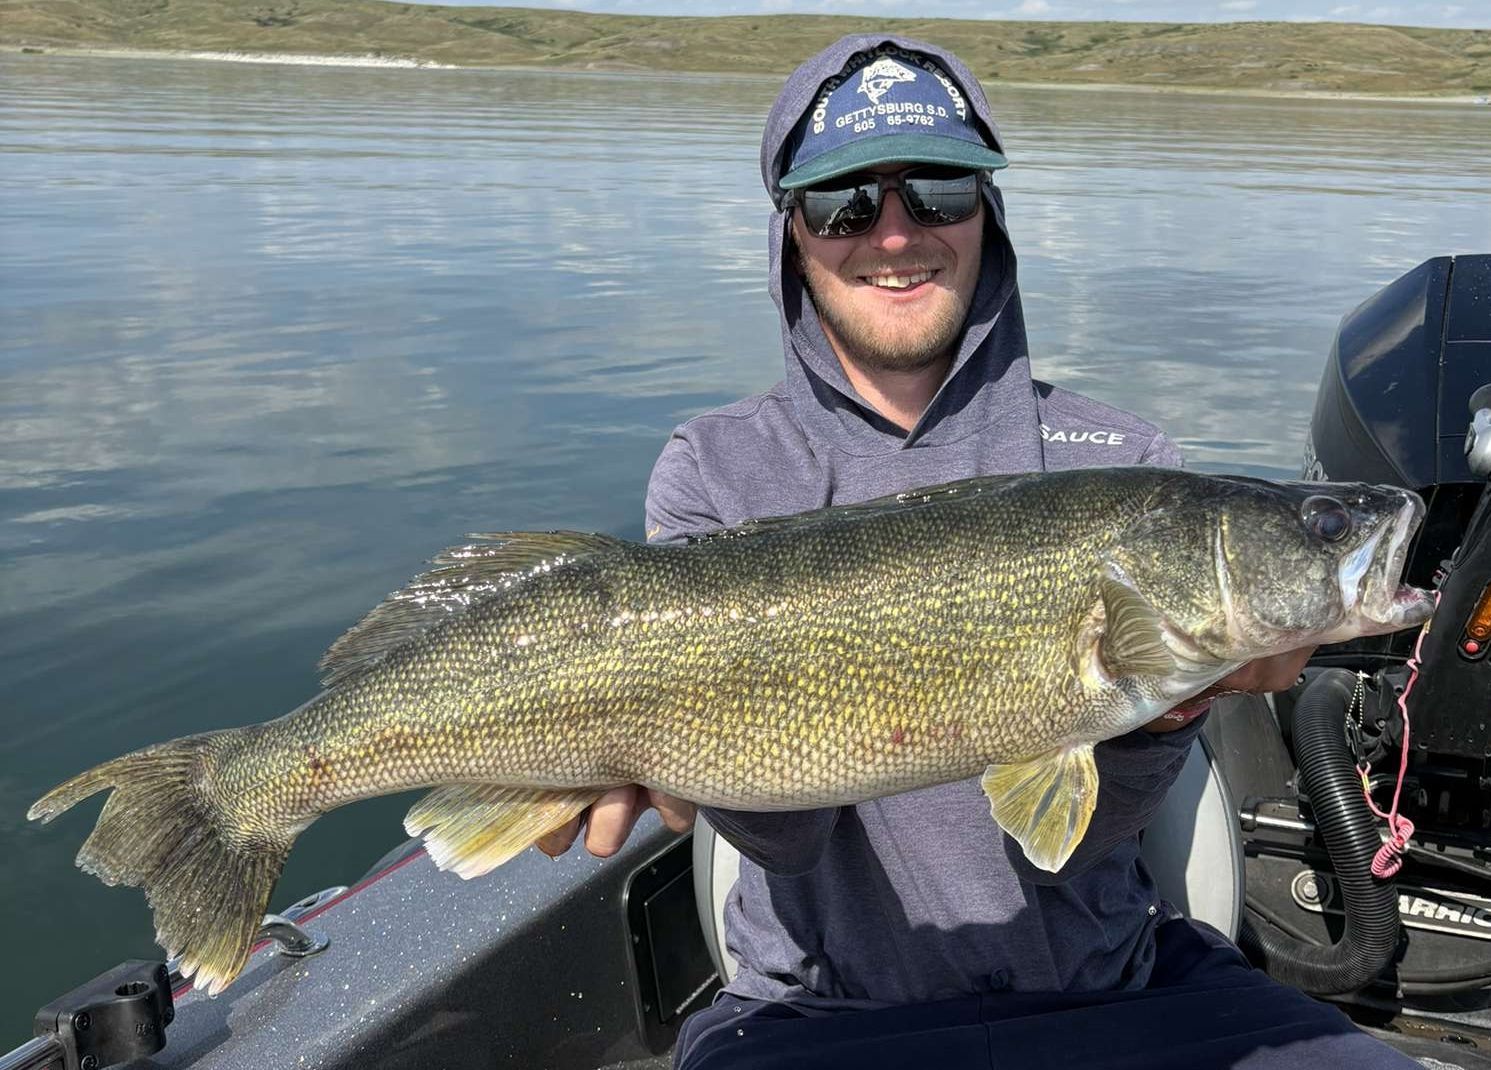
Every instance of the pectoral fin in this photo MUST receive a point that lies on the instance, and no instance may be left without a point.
(1045, 803)
(474, 828)
(1132, 643)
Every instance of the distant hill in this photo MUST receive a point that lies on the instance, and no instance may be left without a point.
(1322, 57)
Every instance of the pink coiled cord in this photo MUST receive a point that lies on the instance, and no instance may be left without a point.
(1389, 857)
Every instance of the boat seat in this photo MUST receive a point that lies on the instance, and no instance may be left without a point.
(1193, 847)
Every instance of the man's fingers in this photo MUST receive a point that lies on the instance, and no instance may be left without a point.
(1280, 672)
(1276, 673)
(611, 820)
(557, 842)
(677, 814)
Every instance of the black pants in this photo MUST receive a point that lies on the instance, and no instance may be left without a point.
(1205, 1006)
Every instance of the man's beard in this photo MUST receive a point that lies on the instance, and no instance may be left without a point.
(907, 350)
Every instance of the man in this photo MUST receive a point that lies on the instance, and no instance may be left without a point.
(910, 930)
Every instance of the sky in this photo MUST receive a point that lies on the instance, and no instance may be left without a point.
(1466, 14)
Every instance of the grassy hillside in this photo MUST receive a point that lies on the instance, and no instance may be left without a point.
(1248, 55)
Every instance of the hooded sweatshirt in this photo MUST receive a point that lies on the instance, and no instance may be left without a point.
(918, 896)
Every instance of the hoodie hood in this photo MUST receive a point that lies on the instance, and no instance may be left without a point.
(989, 380)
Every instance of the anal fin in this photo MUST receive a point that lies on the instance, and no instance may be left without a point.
(1045, 803)
(474, 828)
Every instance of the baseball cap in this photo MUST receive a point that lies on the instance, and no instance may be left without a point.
(888, 105)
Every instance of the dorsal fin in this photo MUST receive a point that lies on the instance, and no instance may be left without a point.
(459, 577)
(962, 489)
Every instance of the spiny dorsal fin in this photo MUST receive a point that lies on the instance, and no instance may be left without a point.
(474, 828)
(962, 489)
(1132, 643)
(460, 577)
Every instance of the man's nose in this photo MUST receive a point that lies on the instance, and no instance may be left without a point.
(895, 229)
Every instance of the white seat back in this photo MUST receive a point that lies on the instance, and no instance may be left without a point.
(1193, 847)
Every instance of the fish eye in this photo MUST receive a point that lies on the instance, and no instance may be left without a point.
(1325, 518)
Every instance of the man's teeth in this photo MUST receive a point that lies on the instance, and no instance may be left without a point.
(900, 282)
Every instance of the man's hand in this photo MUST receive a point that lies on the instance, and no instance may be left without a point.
(1277, 673)
(611, 818)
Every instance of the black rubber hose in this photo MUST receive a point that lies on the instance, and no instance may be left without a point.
(1328, 776)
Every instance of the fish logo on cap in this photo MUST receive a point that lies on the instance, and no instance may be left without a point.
(876, 79)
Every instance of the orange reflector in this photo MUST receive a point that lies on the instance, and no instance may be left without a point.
(1479, 624)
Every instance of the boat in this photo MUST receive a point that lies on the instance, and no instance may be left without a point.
(584, 962)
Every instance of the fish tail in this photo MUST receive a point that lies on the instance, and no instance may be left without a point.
(207, 880)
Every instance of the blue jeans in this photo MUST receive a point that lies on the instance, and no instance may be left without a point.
(1204, 1007)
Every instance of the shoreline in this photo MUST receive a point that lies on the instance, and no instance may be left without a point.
(370, 60)
(1279, 94)
(293, 59)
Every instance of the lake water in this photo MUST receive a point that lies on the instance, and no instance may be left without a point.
(272, 336)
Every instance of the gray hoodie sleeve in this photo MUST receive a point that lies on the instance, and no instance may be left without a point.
(678, 505)
(1162, 452)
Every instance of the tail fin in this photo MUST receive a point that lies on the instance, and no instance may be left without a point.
(207, 881)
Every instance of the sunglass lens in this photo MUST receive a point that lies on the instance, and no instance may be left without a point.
(843, 211)
(935, 201)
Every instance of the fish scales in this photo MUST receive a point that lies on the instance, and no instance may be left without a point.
(778, 670)
(1002, 625)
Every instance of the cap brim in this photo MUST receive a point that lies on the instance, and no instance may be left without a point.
(894, 148)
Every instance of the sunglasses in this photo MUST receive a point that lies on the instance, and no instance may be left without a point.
(849, 205)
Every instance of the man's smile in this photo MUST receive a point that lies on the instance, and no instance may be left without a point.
(901, 281)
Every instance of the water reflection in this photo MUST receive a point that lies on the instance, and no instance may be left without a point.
(273, 336)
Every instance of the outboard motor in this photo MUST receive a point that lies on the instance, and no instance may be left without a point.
(1402, 936)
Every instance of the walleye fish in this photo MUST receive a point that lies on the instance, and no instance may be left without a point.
(1000, 625)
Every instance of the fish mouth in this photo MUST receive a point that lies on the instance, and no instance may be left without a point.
(1383, 600)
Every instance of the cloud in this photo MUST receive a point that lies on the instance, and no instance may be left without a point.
(1239, 5)
(1345, 10)
(1033, 7)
